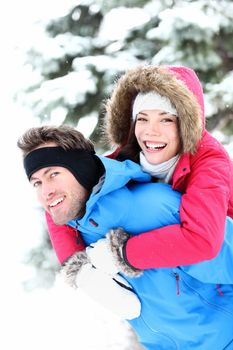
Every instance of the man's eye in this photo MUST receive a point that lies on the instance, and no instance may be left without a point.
(53, 174)
(36, 183)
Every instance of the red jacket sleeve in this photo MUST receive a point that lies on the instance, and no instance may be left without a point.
(65, 239)
(203, 211)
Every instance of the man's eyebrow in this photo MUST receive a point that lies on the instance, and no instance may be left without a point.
(33, 178)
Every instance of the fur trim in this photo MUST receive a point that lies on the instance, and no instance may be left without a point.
(72, 266)
(117, 239)
(166, 82)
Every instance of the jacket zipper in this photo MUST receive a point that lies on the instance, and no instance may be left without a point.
(177, 277)
(214, 306)
(218, 286)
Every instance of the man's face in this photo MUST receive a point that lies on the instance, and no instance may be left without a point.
(60, 193)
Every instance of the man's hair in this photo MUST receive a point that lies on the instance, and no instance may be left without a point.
(64, 136)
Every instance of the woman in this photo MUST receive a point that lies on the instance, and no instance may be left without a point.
(197, 165)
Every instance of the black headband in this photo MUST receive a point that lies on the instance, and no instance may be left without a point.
(86, 167)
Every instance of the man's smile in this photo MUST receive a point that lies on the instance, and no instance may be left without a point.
(56, 202)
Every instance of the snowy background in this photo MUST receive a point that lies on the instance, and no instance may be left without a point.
(54, 318)
(37, 87)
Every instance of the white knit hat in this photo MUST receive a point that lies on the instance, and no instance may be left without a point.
(152, 100)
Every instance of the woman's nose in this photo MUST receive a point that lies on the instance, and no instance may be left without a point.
(153, 129)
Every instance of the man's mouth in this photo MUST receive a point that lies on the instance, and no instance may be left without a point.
(56, 202)
(154, 146)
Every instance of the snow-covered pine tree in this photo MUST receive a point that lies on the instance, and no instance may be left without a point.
(77, 56)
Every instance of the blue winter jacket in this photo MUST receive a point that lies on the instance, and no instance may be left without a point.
(185, 307)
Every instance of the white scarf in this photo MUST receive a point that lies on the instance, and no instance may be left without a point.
(162, 171)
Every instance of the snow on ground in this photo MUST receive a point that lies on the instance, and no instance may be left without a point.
(59, 318)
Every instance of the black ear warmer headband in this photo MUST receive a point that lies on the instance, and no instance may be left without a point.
(86, 167)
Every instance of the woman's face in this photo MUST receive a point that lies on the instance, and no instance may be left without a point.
(157, 135)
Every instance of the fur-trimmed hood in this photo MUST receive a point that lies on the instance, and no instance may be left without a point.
(180, 84)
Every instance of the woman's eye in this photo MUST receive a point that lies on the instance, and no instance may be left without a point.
(167, 120)
(141, 119)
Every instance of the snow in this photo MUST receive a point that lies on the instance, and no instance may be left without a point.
(87, 124)
(117, 22)
(179, 24)
(221, 95)
(57, 318)
(105, 64)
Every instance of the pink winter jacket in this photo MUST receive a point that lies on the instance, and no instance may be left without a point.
(206, 181)
(204, 173)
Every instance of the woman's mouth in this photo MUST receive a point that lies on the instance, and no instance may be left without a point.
(154, 146)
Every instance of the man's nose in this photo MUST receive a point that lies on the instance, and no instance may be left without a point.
(47, 191)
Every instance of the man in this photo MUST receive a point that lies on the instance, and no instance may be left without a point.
(63, 194)
(95, 194)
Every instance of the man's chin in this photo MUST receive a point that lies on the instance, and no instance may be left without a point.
(59, 221)
(64, 217)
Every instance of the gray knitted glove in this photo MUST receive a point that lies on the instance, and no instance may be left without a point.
(117, 238)
(72, 267)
